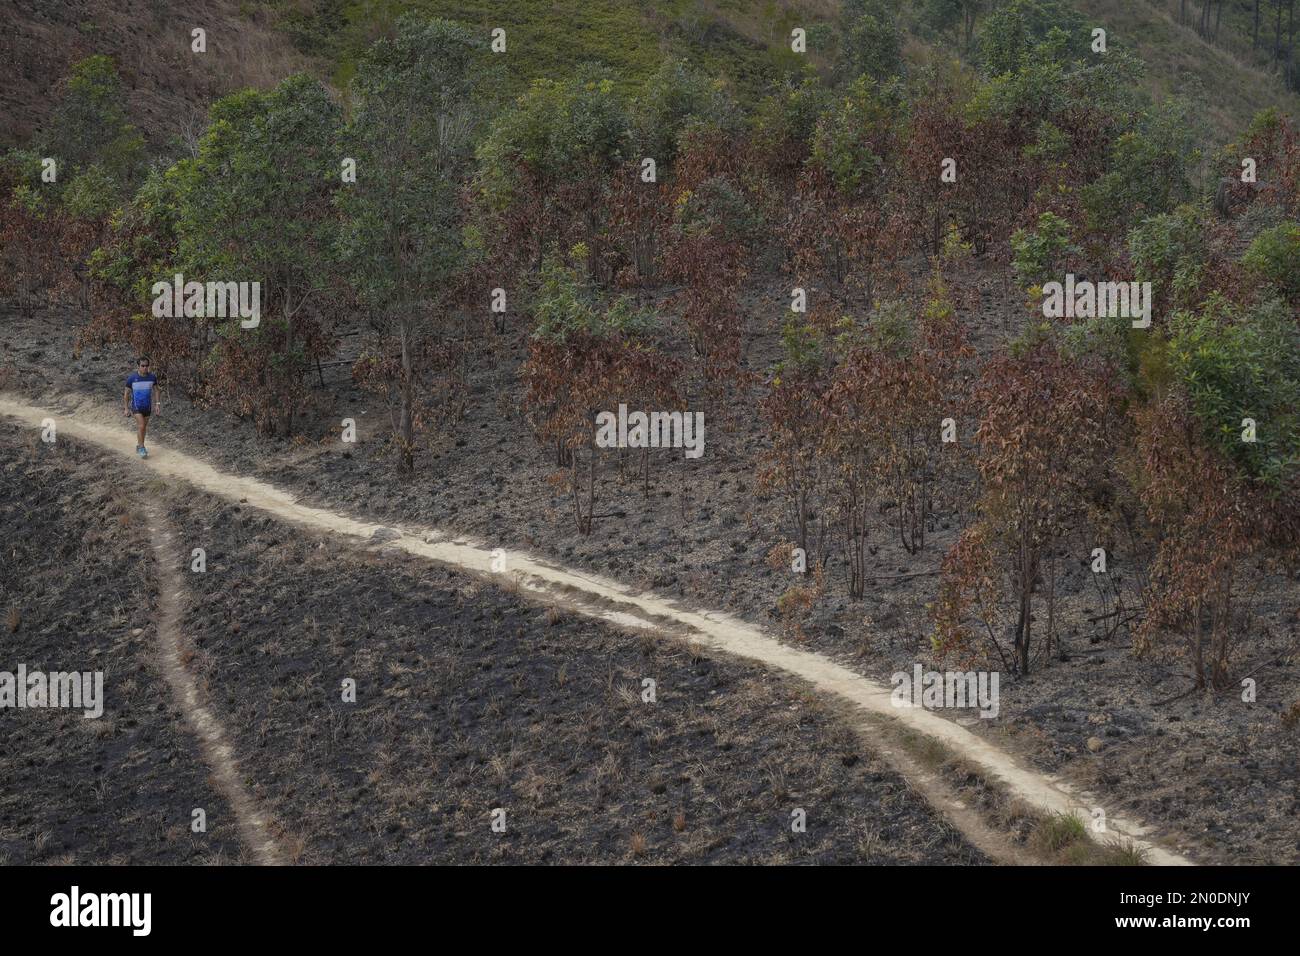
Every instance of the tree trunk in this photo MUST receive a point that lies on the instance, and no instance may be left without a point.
(1028, 570)
(406, 424)
(1198, 648)
(1277, 32)
(1290, 44)
(288, 350)
(1022, 636)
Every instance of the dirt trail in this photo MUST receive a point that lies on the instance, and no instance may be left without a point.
(217, 752)
(613, 602)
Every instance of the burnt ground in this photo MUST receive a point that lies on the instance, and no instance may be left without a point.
(468, 699)
(77, 572)
(1212, 769)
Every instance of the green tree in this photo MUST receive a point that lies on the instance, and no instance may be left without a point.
(400, 241)
(1011, 34)
(1169, 251)
(90, 194)
(857, 132)
(958, 16)
(255, 206)
(543, 166)
(1235, 367)
(784, 121)
(89, 126)
(1148, 170)
(674, 99)
(872, 43)
(138, 249)
(1038, 254)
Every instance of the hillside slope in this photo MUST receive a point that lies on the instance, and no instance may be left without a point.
(150, 42)
(1178, 62)
(743, 42)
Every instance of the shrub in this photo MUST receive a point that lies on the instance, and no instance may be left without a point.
(1210, 523)
(1274, 258)
(91, 194)
(673, 100)
(1147, 171)
(1169, 251)
(1236, 367)
(1038, 254)
(872, 44)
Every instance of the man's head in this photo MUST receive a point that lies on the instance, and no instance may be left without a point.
(142, 365)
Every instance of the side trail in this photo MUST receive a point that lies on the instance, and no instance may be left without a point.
(254, 830)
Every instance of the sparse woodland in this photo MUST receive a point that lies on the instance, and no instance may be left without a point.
(868, 185)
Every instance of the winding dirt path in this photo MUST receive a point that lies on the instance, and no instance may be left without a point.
(252, 823)
(612, 602)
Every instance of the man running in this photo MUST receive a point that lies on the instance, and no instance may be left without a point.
(138, 399)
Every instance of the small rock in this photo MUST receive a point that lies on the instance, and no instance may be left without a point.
(137, 632)
(385, 534)
(1095, 744)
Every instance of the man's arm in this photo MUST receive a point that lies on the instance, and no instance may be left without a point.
(126, 400)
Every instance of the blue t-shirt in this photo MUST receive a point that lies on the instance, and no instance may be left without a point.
(141, 387)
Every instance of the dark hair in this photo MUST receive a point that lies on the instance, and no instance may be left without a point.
(142, 360)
